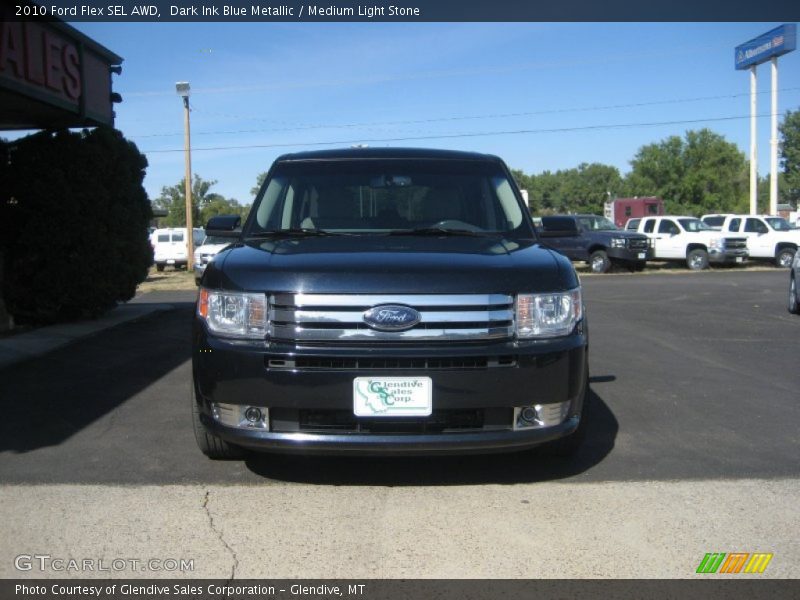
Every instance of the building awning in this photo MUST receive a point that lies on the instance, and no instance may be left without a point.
(52, 76)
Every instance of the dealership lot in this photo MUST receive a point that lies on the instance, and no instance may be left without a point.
(692, 448)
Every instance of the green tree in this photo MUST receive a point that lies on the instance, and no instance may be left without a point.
(259, 182)
(205, 203)
(582, 189)
(222, 206)
(73, 223)
(790, 156)
(698, 174)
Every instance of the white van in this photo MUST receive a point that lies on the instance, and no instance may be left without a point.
(169, 246)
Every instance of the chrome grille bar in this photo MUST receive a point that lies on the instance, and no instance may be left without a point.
(331, 318)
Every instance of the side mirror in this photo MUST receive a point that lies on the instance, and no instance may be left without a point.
(224, 226)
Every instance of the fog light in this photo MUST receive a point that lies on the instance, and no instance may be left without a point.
(240, 415)
(540, 415)
(252, 414)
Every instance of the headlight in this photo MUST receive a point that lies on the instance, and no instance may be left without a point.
(618, 242)
(234, 314)
(717, 244)
(548, 315)
(197, 257)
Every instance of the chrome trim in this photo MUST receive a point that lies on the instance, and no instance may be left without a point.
(292, 332)
(339, 317)
(284, 315)
(370, 300)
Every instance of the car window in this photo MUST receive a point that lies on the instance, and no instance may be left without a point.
(163, 237)
(633, 224)
(649, 225)
(779, 223)
(215, 240)
(558, 223)
(714, 221)
(595, 223)
(177, 236)
(754, 226)
(693, 225)
(667, 226)
(734, 224)
(373, 196)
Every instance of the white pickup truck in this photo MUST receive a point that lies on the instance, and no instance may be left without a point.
(768, 238)
(688, 239)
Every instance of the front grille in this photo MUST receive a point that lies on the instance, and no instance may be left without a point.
(736, 243)
(316, 363)
(638, 243)
(338, 318)
(286, 420)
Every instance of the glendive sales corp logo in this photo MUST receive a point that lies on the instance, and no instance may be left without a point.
(734, 562)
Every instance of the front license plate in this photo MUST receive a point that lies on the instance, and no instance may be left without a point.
(171, 261)
(392, 396)
(642, 255)
(739, 259)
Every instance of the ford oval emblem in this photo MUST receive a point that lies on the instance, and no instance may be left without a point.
(391, 317)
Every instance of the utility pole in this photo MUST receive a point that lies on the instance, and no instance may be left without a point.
(182, 88)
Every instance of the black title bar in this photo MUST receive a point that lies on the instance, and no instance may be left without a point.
(401, 10)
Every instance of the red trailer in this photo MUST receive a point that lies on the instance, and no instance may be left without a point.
(622, 209)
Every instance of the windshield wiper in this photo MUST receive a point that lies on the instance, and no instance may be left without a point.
(295, 232)
(438, 231)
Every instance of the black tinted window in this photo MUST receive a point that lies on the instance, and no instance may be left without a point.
(667, 226)
(558, 224)
(379, 195)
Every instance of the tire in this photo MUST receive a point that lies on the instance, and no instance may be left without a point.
(784, 257)
(794, 300)
(599, 261)
(160, 267)
(212, 446)
(567, 447)
(697, 259)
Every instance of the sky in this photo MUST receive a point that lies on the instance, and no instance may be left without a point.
(539, 95)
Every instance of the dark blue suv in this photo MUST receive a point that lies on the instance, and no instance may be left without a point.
(388, 301)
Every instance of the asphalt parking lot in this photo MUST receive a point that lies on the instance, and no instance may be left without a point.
(693, 443)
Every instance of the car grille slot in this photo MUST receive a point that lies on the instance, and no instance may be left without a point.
(317, 363)
(334, 421)
(638, 244)
(735, 243)
(338, 318)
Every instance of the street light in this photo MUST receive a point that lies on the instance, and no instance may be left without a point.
(182, 89)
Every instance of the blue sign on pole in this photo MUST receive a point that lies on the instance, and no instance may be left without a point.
(779, 41)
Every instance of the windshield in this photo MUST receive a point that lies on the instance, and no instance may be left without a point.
(381, 196)
(778, 223)
(714, 221)
(214, 240)
(694, 225)
(597, 224)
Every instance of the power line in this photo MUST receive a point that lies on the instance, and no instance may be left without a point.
(460, 118)
(464, 134)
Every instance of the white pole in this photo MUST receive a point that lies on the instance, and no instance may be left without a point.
(773, 151)
(753, 143)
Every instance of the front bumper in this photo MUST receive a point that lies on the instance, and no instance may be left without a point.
(630, 255)
(727, 256)
(398, 444)
(542, 372)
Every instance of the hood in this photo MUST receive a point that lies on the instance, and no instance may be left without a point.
(211, 248)
(391, 264)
